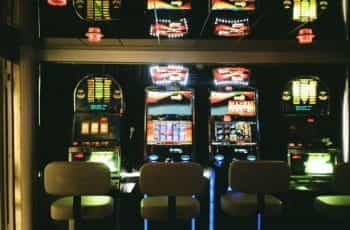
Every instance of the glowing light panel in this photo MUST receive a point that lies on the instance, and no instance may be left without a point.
(169, 28)
(169, 74)
(231, 27)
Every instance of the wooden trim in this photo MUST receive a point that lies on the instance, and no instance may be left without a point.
(192, 51)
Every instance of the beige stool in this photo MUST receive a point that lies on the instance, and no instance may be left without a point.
(336, 207)
(252, 180)
(83, 184)
(170, 187)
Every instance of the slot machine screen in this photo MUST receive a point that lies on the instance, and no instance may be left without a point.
(231, 76)
(231, 28)
(169, 4)
(312, 163)
(97, 128)
(97, 10)
(304, 95)
(170, 74)
(109, 158)
(234, 133)
(98, 94)
(239, 103)
(234, 5)
(169, 132)
(169, 28)
(169, 103)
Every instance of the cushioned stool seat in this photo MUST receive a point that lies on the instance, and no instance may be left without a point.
(242, 204)
(333, 206)
(156, 208)
(92, 207)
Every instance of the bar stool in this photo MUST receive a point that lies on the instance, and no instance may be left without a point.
(83, 184)
(336, 207)
(170, 188)
(252, 180)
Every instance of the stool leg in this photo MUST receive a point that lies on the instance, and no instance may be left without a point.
(71, 224)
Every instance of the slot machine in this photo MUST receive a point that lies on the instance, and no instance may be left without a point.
(169, 115)
(98, 114)
(168, 18)
(305, 13)
(96, 13)
(311, 150)
(232, 18)
(233, 120)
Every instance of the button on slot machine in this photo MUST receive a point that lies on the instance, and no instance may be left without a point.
(311, 150)
(233, 116)
(169, 115)
(232, 18)
(98, 114)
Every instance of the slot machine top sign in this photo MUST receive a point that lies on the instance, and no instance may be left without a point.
(97, 10)
(169, 4)
(98, 93)
(234, 5)
(305, 10)
(169, 28)
(231, 27)
(234, 76)
(305, 95)
(168, 75)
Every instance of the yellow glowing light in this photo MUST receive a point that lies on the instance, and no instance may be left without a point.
(94, 127)
(305, 10)
(296, 92)
(85, 128)
(319, 164)
(104, 127)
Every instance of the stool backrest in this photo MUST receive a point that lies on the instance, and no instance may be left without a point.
(171, 179)
(341, 178)
(259, 176)
(76, 178)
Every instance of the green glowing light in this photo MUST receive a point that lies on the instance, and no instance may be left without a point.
(319, 163)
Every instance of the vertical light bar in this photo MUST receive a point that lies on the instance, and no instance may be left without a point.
(346, 17)
(313, 92)
(346, 120)
(296, 92)
(212, 199)
(145, 221)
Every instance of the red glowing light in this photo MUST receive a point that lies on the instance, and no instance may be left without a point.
(305, 36)
(228, 88)
(296, 156)
(169, 28)
(233, 30)
(94, 34)
(227, 118)
(79, 155)
(58, 3)
(310, 120)
(75, 143)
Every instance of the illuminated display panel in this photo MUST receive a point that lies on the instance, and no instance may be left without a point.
(169, 103)
(234, 133)
(231, 76)
(234, 5)
(314, 163)
(239, 103)
(98, 94)
(305, 10)
(305, 95)
(169, 4)
(231, 27)
(106, 157)
(169, 132)
(169, 28)
(97, 10)
(170, 74)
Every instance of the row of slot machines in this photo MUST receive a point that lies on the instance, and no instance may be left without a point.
(171, 18)
(233, 122)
